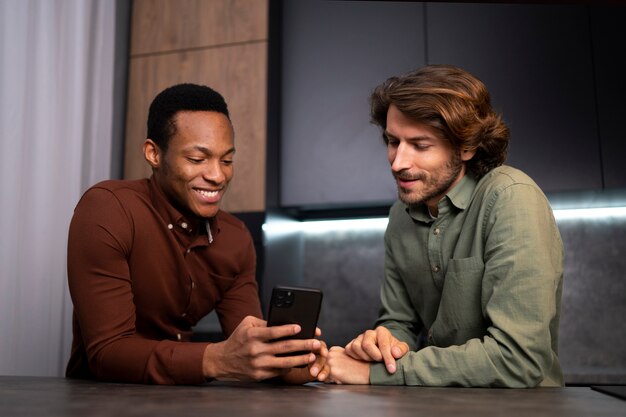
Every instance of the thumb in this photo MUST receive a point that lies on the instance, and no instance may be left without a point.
(399, 350)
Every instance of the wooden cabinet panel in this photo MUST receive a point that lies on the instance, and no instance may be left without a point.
(536, 62)
(239, 74)
(169, 25)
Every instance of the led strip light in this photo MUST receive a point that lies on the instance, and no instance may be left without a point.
(590, 213)
(380, 223)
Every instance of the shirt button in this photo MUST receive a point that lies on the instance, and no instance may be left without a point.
(184, 315)
(193, 284)
(178, 336)
(435, 268)
(436, 231)
(170, 226)
(188, 250)
(183, 225)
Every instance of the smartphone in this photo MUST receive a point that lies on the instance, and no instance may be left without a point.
(295, 305)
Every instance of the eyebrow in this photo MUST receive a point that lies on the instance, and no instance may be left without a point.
(207, 151)
(386, 134)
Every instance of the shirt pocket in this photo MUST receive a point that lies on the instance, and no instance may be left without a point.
(460, 317)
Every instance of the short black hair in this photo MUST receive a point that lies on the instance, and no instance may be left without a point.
(180, 97)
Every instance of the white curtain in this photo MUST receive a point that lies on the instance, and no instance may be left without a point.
(56, 92)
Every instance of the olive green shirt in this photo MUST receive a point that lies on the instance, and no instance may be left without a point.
(483, 279)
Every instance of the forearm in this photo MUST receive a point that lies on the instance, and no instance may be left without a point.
(138, 360)
(477, 363)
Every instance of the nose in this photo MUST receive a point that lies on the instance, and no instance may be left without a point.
(214, 173)
(401, 157)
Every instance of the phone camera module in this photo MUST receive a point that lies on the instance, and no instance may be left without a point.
(284, 299)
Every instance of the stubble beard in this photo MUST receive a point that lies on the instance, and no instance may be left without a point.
(434, 185)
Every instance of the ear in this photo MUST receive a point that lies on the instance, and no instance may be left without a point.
(152, 153)
(467, 154)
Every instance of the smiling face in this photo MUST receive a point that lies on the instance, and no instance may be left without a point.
(197, 166)
(425, 165)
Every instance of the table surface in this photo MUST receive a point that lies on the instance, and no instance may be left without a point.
(43, 396)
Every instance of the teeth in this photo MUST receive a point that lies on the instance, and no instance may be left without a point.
(208, 193)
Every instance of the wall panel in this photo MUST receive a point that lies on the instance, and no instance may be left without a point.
(334, 54)
(609, 46)
(236, 69)
(536, 62)
(170, 25)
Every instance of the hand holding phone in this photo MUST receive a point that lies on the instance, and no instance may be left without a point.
(295, 305)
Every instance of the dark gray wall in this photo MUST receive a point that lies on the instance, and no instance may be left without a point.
(593, 328)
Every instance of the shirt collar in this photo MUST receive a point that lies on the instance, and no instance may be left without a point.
(459, 197)
(182, 223)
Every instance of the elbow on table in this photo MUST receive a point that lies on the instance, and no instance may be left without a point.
(525, 372)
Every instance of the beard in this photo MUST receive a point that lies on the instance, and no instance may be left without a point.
(434, 184)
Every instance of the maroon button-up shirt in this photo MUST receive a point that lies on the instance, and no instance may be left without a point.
(141, 275)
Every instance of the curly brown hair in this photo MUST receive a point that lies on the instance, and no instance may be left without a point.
(455, 103)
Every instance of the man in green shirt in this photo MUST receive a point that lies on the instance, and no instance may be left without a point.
(474, 260)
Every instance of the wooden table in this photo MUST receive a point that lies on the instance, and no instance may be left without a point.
(41, 396)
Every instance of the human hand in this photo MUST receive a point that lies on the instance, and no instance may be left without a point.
(250, 352)
(377, 345)
(314, 369)
(345, 369)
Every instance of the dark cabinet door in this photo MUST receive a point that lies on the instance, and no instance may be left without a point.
(555, 72)
(608, 34)
(333, 55)
(536, 61)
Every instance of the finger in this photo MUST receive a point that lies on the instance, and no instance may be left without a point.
(290, 346)
(285, 362)
(323, 374)
(318, 332)
(356, 350)
(358, 353)
(388, 359)
(350, 349)
(320, 360)
(371, 346)
(384, 349)
(323, 350)
(274, 332)
(317, 366)
(399, 350)
(349, 345)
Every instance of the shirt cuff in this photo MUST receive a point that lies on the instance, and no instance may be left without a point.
(187, 358)
(380, 376)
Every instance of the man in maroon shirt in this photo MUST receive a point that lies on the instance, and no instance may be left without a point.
(147, 259)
